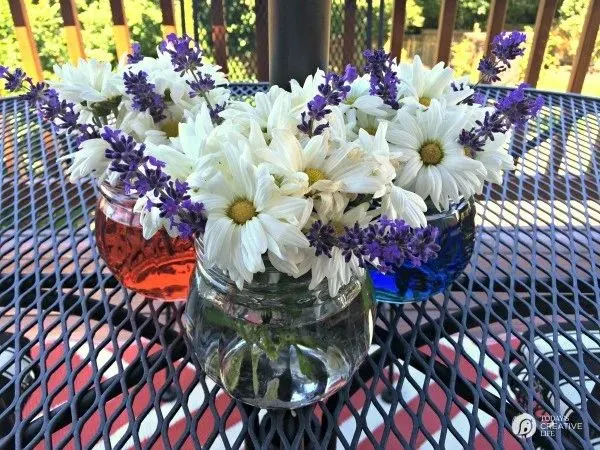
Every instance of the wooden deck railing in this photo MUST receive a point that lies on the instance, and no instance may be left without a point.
(448, 8)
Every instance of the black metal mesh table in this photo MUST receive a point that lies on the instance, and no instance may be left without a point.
(85, 363)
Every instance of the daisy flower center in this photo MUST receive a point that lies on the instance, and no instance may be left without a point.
(170, 128)
(314, 175)
(431, 153)
(338, 227)
(371, 130)
(425, 101)
(241, 211)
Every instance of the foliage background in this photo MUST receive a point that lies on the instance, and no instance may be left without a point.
(144, 18)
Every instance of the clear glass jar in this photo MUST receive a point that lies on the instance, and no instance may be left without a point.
(159, 267)
(456, 240)
(277, 344)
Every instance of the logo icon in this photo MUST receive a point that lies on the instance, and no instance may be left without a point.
(524, 425)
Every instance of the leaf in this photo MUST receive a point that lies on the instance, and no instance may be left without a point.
(304, 363)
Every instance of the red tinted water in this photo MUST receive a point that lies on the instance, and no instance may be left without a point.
(158, 268)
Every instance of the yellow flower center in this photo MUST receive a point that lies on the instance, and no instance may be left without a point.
(338, 227)
(241, 211)
(170, 128)
(314, 175)
(425, 101)
(467, 151)
(371, 130)
(431, 153)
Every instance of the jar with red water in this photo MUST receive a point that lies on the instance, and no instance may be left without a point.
(159, 267)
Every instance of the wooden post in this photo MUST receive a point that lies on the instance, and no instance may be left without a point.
(298, 39)
(495, 23)
(543, 21)
(219, 33)
(349, 31)
(398, 20)
(581, 63)
(168, 17)
(445, 30)
(261, 10)
(75, 46)
(120, 29)
(29, 52)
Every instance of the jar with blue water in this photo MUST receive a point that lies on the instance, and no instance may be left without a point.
(456, 239)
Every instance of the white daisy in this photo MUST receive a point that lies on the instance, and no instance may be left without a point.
(432, 163)
(320, 170)
(141, 126)
(396, 203)
(246, 217)
(273, 111)
(495, 158)
(174, 85)
(301, 95)
(88, 159)
(90, 81)
(419, 86)
(361, 100)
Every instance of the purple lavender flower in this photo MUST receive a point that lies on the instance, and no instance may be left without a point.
(322, 237)
(383, 79)
(517, 108)
(201, 86)
(506, 46)
(386, 243)
(490, 70)
(127, 155)
(423, 245)
(145, 178)
(143, 95)
(335, 88)
(192, 219)
(214, 114)
(60, 112)
(13, 80)
(136, 54)
(352, 243)
(513, 110)
(173, 194)
(184, 51)
(332, 92)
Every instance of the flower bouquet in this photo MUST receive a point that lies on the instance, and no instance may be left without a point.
(292, 199)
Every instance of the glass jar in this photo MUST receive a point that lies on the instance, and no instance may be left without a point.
(159, 267)
(456, 240)
(277, 344)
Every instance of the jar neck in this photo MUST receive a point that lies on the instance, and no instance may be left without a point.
(116, 195)
(273, 289)
(433, 213)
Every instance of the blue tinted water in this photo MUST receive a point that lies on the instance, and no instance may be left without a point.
(456, 239)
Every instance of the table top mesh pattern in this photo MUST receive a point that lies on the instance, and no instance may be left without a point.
(518, 332)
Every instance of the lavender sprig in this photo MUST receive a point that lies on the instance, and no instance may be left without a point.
(386, 244)
(145, 175)
(513, 110)
(186, 57)
(332, 92)
(383, 79)
(136, 54)
(60, 113)
(185, 53)
(505, 48)
(144, 98)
